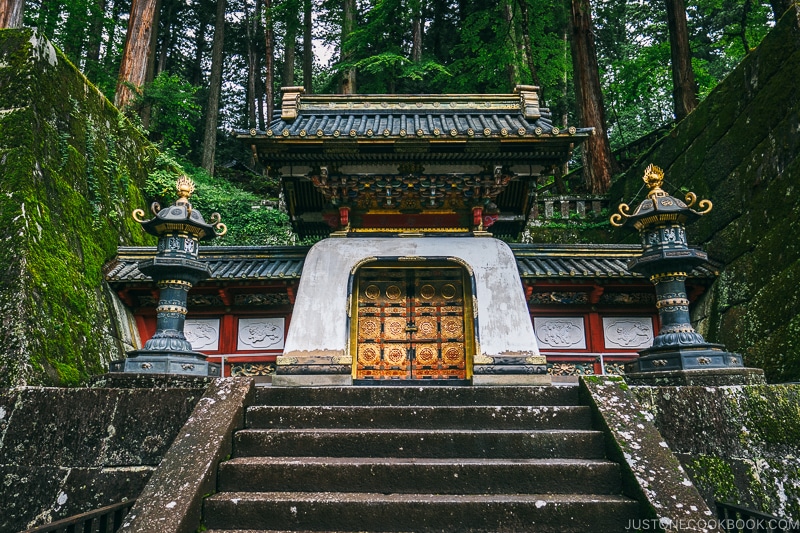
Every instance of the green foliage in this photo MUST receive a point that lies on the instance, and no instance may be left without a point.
(248, 222)
(173, 110)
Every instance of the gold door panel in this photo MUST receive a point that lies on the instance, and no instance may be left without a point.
(410, 324)
(394, 328)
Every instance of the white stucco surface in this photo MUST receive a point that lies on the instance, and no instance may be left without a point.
(319, 319)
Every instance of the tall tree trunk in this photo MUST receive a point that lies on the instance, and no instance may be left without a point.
(597, 161)
(269, 61)
(511, 67)
(748, 5)
(250, 27)
(290, 46)
(526, 40)
(258, 29)
(95, 37)
(308, 47)
(416, 30)
(214, 89)
(348, 24)
(110, 57)
(11, 13)
(147, 109)
(779, 7)
(135, 58)
(684, 88)
(199, 52)
(166, 39)
(74, 33)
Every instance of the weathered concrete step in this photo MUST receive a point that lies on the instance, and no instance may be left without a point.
(413, 475)
(576, 444)
(420, 417)
(327, 511)
(417, 395)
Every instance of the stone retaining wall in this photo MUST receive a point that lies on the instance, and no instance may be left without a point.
(68, 451)
(740, 149)
(740, 445)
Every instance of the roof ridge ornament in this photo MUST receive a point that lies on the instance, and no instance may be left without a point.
(529, 100)
(290, 105)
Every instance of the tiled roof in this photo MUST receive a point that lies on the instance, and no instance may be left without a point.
(429, 117)
(535, 261)
(585, 261)
(226, 262)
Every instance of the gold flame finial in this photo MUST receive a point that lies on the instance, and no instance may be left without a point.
(185, 189)
(654, 179)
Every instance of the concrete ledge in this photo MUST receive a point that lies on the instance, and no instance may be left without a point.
(173, 498)
(511, 379)
(311, 380)
(651, 472)
(716, 377)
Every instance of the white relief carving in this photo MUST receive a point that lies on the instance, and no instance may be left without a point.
(260, 333)
(628, 332)
(202, 333)
(560, 332)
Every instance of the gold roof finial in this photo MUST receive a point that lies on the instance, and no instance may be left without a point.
(654, 179)
(185, 190)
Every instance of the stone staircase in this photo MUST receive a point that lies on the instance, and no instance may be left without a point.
(419, 459)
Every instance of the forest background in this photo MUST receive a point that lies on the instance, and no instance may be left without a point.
(190, 71)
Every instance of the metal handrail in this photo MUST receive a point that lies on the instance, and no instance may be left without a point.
(103, 520)
(738, 519)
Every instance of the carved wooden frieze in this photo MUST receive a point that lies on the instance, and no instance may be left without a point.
(627, 332)
(202, 333)
(560, 332)
(260, 334)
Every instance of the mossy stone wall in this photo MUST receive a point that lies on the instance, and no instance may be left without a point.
(740, 445)
(740, 149)
(66, 451)
(70, 171)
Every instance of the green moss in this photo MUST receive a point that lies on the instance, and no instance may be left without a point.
(713, 476)
(70, 172)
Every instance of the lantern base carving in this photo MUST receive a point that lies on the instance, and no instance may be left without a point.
(706, 364)
(150, 362)
(714, 377)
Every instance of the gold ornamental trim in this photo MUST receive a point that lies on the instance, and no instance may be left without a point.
(406, 230)
(341, 360)
(656, 278)
(480, 359)
(412, 258)
(362, 262)
(670, 302)
(166, 282)
(283, 360)
(536, 360)
(463, 263)
(171, 309)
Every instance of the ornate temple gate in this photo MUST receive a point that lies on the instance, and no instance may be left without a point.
(410, 324)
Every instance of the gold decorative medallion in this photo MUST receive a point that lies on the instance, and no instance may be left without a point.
(427, 291)
(448, 291)
(372, 292)
(393, 292)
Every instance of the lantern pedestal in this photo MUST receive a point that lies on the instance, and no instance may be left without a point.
(679, 355)
(175, 268)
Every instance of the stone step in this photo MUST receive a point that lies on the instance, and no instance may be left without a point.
(327, 511)
(455, 443)
(417, 395)
(406, 476)
(420, 417)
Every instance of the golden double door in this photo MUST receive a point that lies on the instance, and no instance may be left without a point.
(410, 324)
